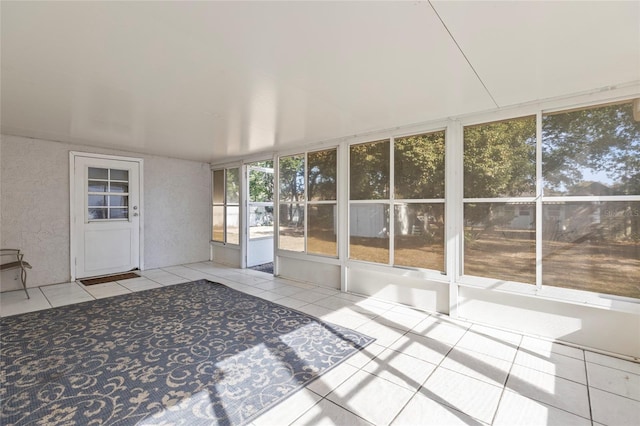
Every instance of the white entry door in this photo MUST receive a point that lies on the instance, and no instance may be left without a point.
(105, 215)
(259, 219)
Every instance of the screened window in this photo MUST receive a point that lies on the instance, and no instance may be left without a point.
(232, 205)
(322, 204)
(308, 203)
(500, 159)
(226, 206)
(218, 206)
(369, 182)
(419, 219)
(591, 203)
(500, 235)
(402, 223)
(593, 151)
(419, 235)
(597, 241)
(419, 166)
(292, 203)
(369, 171)
(499, 241)
(589, 200)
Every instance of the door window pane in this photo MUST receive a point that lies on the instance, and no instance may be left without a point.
(292, 178)
(500, 159)
(321, 232)
(98, 213)
(118, 187)
(592, 246)
(368, 232)
(322, 175)
(419, 166)
(260, 186)
(122, 175)
(99, 194)
(419, 235)
(97, 186)
(291, 231)
(118, 213)
(260, 221)
(118, 201)
(97, 200)
(98, 173)
(500, 241)
(369, 171)
(592, 151)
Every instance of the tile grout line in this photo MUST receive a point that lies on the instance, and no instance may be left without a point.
(506, 380)
(358, 369)
(427, 379)
(47, 299)
(322, 398)
(586, 378)
(547, 403)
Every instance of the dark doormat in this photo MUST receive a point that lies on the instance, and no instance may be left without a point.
(265, 267)
(109, 278)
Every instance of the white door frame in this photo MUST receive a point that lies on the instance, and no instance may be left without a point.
(246, 168)
(72, 204)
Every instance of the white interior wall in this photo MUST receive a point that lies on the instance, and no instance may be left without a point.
(35, 207)
(399, 286)
(227, 255)
(309, 270)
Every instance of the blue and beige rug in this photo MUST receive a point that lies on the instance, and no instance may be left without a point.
(193, 353)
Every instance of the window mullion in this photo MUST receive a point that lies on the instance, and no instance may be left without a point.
(224, 209)
(306, 200)
(391, 230)
(539, 194)
(454, 206)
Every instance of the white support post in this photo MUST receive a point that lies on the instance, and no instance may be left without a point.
(343, 213)
(539, 195)
(454, 230)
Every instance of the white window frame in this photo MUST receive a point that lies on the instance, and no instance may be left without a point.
(306, 204)
(392, 201)
(568, 295)
(225, 205)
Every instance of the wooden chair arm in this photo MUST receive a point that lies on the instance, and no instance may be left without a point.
(19, 263)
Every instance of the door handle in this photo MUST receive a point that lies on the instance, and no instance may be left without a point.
(135, 214)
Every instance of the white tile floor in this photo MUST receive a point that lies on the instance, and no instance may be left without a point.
(423, 369)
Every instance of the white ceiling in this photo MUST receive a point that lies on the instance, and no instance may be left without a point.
(211, 81)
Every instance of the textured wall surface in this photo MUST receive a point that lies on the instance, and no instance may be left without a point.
(177, 203)
(34, 207)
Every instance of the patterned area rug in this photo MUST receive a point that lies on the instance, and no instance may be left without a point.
(193, 353)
